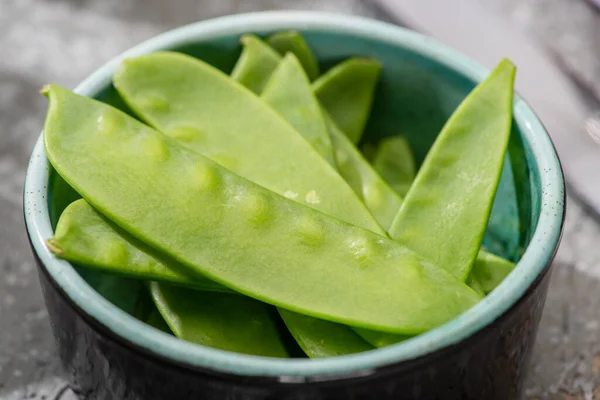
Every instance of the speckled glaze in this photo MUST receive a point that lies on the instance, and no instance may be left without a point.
(480, 355)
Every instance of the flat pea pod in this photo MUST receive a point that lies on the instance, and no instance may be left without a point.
(220, 320)
(375, 193)
(156, 320)
(395, 162)
(209, 113)
(309, 262)
(123, 292)
(256, 63)
(85, 237)
(490, 270)
(353, 80)
(346, 91)
(289, 93)
(276, 96)
(454, 190)
(319, 338)
(474, 284)
(292, 42)
(380, 339)
(383, 202)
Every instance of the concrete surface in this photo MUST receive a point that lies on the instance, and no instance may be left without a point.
(62, 41)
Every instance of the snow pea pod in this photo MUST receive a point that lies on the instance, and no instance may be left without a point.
(256, 63)
(157, 321)
(490, 270)
(396, 164)
(238, 233)
(85, 234)
(475, 285)
(454, 190)
(278, 95)
(215, 116)
(220, 320)
(292, 42)
(319, 338)
(375, 193)
(289, 93)
(380, 339)
(85, 237)
(353, 81)
(346, 91)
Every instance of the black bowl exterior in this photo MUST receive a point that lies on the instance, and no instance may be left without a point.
(489, 365)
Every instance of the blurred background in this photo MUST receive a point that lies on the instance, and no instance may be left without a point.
(62, 41)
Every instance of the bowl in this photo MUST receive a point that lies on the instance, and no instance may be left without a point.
(482, 354)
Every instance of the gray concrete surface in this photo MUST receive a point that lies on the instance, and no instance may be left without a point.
(62, 41)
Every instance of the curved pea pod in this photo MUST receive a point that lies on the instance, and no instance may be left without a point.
(383, 339)
(289, 93)
(380, 339)
(81, 223)
(221, 320)
(85, 237)
(156, 320)
(256, 63)
(210, 113)
(368, 151)
(375, 193)
(319, 338)
(346, 91)
(490, 270)
(238, 233)
(289, 77)
(454, 190)
(292, 42)
(396, 164)
(475, 285)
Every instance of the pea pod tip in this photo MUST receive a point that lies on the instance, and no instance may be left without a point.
(54, 247)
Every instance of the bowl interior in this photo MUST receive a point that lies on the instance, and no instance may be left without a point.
(414, 98)
(421, 84)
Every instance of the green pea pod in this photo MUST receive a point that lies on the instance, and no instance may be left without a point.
(475, 285)
(220, 320)
(157, 321)
(123, 292)
(238, 233)
(319, 338)
(90, 235)
(346, 91)
(375, 193)
(278, 94)
(368, 151)
(396, 164)
(205, 110)
(454, 190)
(256, 63)
(490, 270)
(85, 237)
(289, 93)
(380, 339)
(353, 81)
(292, 42)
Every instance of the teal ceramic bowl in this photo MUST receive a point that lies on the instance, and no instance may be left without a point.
(479, 355)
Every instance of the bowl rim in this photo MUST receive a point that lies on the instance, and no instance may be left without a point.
(534, 261)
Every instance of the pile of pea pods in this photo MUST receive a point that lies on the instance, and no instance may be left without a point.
(251, 212)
